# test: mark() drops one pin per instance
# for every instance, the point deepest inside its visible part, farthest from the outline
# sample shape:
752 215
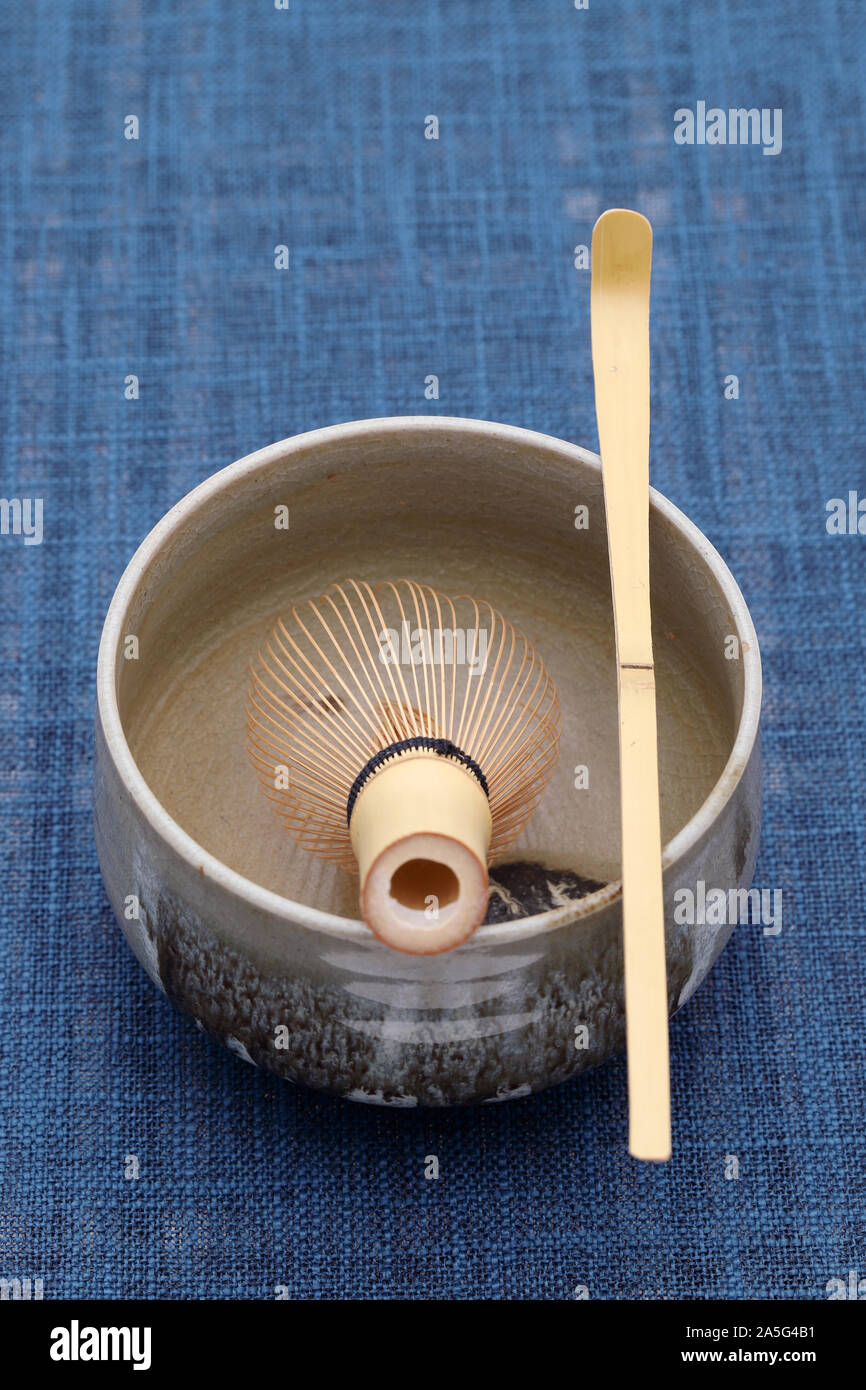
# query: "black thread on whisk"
443 746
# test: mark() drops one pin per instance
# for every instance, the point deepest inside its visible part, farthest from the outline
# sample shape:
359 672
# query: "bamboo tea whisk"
410 735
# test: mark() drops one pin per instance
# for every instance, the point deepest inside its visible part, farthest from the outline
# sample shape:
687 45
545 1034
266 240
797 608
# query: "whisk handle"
421 831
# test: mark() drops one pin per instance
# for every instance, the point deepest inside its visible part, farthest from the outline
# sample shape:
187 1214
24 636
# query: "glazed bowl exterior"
280 969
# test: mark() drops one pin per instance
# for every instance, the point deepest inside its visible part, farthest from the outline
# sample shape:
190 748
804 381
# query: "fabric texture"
155 258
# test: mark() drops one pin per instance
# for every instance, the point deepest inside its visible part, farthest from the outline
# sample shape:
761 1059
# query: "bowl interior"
464 507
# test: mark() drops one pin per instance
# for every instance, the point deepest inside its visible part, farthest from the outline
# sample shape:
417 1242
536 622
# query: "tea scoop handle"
621 266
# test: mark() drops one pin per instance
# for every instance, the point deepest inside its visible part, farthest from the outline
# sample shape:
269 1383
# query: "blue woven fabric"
155 257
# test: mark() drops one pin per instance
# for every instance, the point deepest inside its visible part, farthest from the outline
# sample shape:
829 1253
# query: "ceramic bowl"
260 943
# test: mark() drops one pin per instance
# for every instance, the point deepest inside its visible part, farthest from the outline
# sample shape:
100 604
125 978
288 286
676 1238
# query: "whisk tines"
363 676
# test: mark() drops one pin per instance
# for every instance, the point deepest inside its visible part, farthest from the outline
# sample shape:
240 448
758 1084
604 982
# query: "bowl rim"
298 914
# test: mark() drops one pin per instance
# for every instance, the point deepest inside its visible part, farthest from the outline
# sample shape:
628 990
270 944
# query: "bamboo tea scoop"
621 263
